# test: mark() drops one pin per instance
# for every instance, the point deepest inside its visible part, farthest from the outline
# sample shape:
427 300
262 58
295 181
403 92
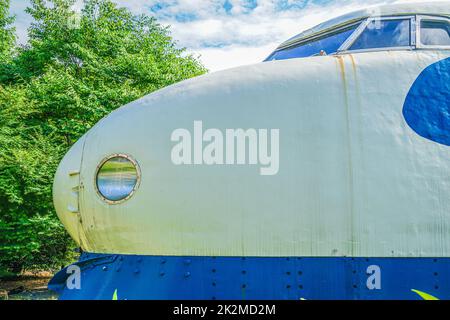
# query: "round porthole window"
117 178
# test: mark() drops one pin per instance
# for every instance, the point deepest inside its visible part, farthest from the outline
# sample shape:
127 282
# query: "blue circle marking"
427 106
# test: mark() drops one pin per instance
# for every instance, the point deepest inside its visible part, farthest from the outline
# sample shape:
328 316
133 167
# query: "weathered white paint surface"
354 179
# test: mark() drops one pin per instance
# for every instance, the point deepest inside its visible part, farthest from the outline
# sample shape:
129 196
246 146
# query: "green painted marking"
423 295
115 295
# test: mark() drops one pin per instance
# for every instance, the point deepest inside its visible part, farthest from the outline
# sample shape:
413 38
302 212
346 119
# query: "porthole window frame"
136 185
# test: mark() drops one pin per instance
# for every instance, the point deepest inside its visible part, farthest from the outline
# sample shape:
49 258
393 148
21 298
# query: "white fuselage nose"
346 161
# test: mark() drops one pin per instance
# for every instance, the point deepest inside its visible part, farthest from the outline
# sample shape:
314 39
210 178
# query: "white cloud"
224 58
241 36
245 31
22 19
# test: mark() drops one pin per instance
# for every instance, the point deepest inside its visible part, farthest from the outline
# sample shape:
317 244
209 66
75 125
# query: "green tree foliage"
75 69
7 36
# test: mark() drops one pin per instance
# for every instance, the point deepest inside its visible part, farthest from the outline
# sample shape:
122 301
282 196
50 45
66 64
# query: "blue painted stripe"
253 278
427 105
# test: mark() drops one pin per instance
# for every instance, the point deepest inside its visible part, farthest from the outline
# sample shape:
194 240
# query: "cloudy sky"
228 33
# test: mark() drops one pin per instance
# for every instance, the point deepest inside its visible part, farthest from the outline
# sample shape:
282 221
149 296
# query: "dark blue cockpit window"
329 44
384 34
435 33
